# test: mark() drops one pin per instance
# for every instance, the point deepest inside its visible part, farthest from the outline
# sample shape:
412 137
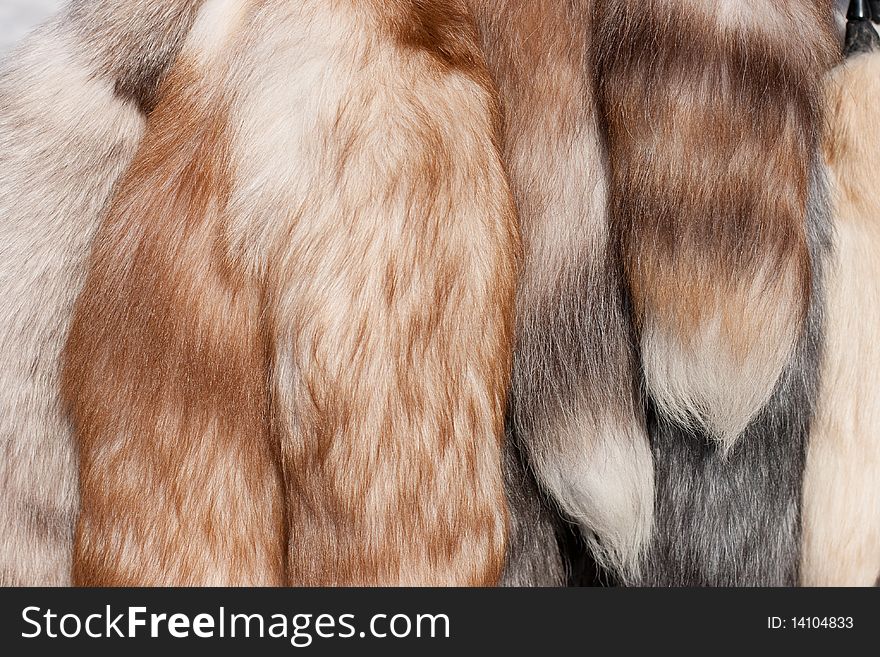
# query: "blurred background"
18 17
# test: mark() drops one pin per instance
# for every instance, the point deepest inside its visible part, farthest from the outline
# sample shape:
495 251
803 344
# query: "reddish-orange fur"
166 375
302 305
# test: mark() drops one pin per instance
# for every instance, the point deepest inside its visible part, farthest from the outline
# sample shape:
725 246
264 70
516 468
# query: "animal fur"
535 546
574 407
842 486
291 358
72 103
733 518
713 115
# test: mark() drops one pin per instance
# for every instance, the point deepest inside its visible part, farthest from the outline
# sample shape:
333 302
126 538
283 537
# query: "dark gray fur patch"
577 345
534 551
736 521
861 37
544 549
135 43
575 355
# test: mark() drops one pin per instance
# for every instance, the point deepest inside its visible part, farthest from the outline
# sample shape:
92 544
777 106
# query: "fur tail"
575 409
713 117
733 517
390 292
165 369
291 359
842 487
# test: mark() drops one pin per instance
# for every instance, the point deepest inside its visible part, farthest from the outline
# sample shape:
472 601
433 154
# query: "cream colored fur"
64 139
842 485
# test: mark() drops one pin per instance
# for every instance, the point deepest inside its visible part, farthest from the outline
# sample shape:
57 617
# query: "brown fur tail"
166 375
713 117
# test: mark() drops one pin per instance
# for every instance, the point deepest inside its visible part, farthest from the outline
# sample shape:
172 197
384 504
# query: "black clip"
860 10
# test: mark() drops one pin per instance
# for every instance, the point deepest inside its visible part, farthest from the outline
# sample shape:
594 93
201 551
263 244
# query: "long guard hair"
536 553
713 115
73 97
291 358
719 206
842 480
734 518
574 409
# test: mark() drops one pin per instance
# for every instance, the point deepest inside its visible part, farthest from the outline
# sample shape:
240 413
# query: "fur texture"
72 98
842 487
573 407
733 518
713 116
535 542
291 358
